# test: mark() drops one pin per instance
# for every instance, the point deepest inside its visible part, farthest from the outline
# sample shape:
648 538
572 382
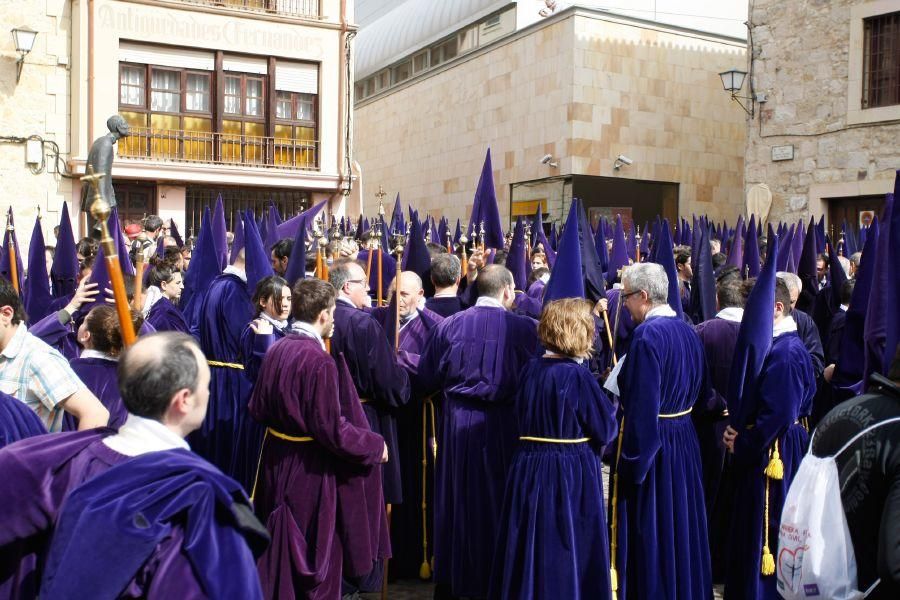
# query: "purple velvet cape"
553 506
661 512
17 421
100 377
474 358
783 394
228 438
42 469
254 347
161 525
165 316
296 495
444 305
382 384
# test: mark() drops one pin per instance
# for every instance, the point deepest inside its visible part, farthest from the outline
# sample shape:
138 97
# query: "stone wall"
581 86
37 105
808 61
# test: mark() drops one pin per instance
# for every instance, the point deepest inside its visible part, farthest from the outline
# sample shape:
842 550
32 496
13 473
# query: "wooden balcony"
172 145
306 9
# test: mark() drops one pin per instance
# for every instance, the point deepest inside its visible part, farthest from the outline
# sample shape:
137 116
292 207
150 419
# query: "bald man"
68 482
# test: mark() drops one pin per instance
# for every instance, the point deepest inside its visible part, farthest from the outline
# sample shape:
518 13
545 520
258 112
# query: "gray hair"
341 272
445 270
649 277
855 258
791 280
845 265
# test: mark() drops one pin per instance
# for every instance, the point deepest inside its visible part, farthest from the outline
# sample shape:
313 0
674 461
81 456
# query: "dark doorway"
856 210
636 200
135 200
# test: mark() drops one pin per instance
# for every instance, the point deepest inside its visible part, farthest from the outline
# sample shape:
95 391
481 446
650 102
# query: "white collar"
346 300
489 302
90 353
140 436
275 322
735 314
552 354
787 325
233 270
845 307
545 278
304 328
663 310
409 319
447 294
153 295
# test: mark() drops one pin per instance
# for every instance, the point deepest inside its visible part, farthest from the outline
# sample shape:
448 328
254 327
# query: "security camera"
546 158
624 159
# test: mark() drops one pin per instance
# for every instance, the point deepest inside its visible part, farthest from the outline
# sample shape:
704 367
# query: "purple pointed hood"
173 231
750 266
664 254
238 242
517 261
219 233
619 256
415 256
64 272
37 286
703 283
271 237
600 245
875 332
567 278
256 259
485 209
288 229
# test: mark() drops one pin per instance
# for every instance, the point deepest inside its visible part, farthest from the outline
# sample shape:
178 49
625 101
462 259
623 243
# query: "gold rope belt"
530 438
289 438
227 365
676 415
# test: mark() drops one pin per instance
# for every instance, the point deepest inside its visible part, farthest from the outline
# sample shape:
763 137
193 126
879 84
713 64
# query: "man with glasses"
382 384
659 516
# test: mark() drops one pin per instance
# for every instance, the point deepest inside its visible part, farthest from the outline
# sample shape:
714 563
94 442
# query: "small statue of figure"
100 159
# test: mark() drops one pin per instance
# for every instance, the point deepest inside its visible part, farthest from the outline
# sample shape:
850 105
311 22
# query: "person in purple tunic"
719 336
229 438
382 384
17 421
474 359
553 506
164 385
272 300
660 547
100 337
772 434
307 447
164 314
58 328
445 275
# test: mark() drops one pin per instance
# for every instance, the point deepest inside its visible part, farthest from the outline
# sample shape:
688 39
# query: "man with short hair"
167 285
661 521
446 271
146 239
382 384
806 327
822 264
164 383
39 376
685 275
474 359
854 263
281 254
307 448
772 410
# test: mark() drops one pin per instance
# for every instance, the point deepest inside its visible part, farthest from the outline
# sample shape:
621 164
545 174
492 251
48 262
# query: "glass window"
165 95
420 62
254 98
306 107
132 85
197 93
233 94
881 60
283 106
400 73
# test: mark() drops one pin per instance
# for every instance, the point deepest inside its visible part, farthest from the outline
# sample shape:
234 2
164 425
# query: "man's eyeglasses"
626 296
359 281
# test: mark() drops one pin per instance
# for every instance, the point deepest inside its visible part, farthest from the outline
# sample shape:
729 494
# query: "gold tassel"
425 571
775 468
614 525
768 562
614 582
425 568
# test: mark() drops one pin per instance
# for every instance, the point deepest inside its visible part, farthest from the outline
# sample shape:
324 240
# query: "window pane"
283 106
305 107
136 143
233 105
232 85
197 139
307 134
166 80
131 85
197 98
253 105
165 101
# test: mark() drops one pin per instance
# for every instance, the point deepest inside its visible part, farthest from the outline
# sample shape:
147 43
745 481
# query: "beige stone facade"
809 61
583 86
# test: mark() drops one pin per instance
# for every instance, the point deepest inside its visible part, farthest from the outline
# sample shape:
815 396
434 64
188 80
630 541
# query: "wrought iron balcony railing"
175 145
308 9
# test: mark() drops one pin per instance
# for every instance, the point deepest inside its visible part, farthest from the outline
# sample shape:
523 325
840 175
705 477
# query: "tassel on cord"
425 567
775 468
768 561
614 527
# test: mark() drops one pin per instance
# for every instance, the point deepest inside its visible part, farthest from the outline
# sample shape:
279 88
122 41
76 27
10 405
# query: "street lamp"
733 81
24 40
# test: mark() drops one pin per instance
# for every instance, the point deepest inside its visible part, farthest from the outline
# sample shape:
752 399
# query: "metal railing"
293 8
175 145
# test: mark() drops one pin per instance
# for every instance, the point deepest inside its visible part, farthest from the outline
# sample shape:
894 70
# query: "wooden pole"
13 261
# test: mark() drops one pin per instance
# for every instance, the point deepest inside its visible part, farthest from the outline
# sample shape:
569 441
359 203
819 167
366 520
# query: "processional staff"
13 260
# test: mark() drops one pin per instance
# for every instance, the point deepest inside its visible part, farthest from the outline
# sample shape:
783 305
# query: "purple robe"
165 316
254 347
99 375
228 438
61 337
382 384
444 305
42 469
553 506
474 358
783 394
17 421
296 494
662 550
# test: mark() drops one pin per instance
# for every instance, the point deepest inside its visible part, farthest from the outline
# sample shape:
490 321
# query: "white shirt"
735 314
489 302
663 310
233 270
275 322
346 300
153 294
303 328
787 325
140 436
98 354
448 294
845 307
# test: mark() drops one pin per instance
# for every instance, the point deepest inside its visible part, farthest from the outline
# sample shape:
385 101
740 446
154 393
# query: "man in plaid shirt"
38 375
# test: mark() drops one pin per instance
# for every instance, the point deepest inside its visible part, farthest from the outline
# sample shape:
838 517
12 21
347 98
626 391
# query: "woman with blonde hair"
553 505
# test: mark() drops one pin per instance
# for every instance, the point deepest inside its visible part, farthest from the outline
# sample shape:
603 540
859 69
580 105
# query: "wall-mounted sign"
783 152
